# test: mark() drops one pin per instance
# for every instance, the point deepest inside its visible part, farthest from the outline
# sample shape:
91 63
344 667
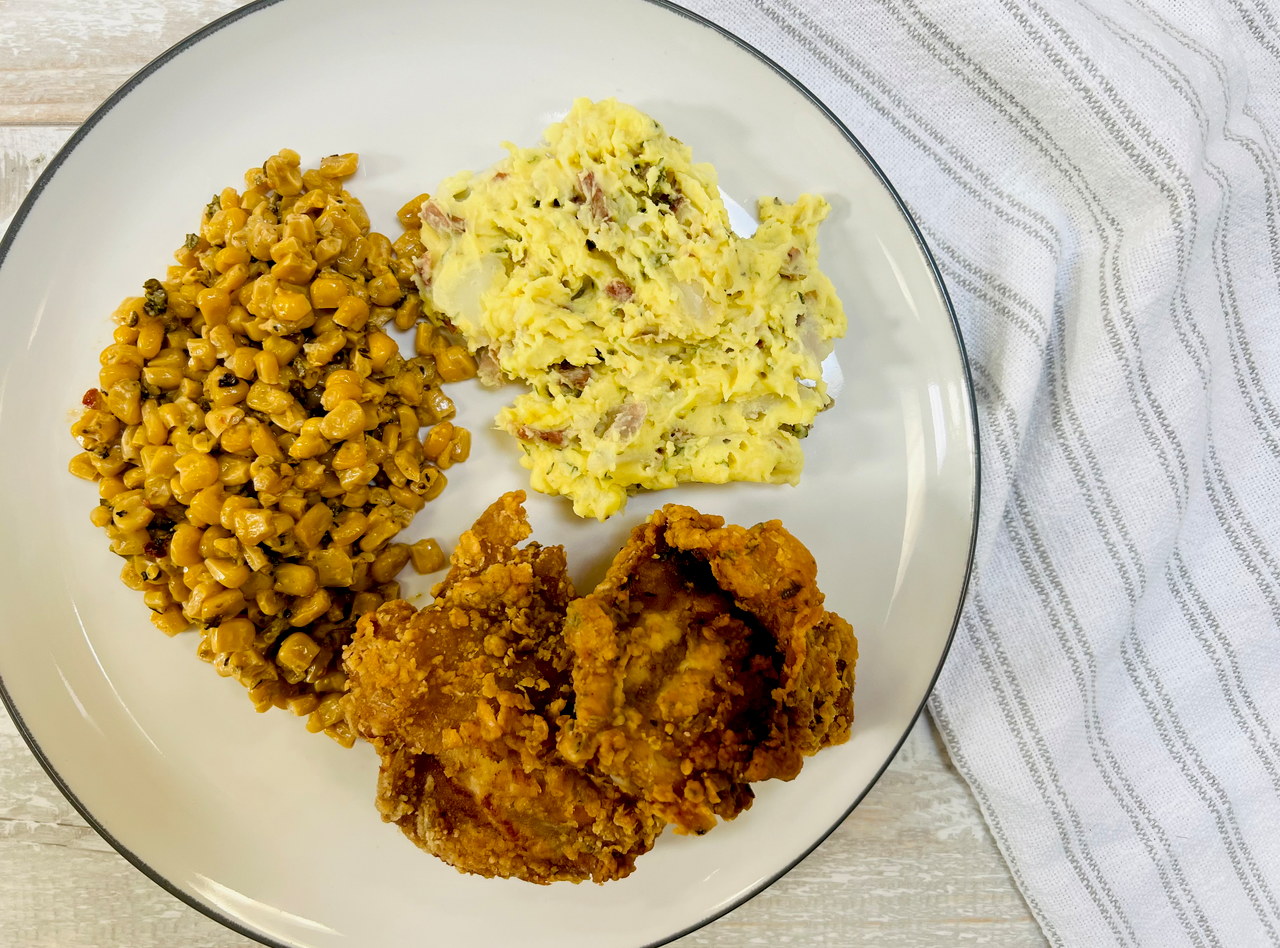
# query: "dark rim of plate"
232 17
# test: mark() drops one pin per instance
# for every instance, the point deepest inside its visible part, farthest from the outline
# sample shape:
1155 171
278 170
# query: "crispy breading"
488 647
705 661
485 813
527 733
461 699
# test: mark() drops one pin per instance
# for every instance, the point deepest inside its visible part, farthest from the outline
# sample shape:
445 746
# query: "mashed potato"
599 269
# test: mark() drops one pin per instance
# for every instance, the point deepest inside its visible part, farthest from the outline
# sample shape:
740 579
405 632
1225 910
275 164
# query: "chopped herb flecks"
155 300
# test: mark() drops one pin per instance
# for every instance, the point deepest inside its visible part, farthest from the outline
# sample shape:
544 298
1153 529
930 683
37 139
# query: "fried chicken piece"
489 642
704 661
461 700
484 813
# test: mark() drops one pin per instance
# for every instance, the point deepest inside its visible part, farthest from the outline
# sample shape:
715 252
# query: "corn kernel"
379 532
427 556
436 484
325 347
252 525
165 377
220 419
460 447
212 543
282 172
231 281
356 477
381 349
171 621
228 257
150 338
293 501
310 442
455 363
232 635
409 213
267 367
439 405
351 454
264 442
388 564
437 441
115 372
234 470
283 349
120 352
408 312
350 527
304 704
157 432
133 477
184 545
327 292
296 655
241 362
157 600
159 460
228 572
268 399
301 228
214 303
124 400
295 579
423 336
294 268
129 576
82 466
352 313
326 715
339 166
344 421
222 387
309 474
333 568
232 505
311 608
384 290
197 471
312 526
227 602
290 307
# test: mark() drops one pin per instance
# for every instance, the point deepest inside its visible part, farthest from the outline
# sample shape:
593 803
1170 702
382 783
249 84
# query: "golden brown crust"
485 813
705 661
527 733
461 699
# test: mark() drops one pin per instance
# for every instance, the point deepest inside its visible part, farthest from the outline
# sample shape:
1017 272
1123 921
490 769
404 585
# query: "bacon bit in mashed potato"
600 269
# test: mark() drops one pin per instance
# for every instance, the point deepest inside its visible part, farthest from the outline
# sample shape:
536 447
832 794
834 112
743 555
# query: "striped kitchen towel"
1100 183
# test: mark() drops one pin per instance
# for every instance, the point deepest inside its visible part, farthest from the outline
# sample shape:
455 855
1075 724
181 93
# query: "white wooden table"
914 866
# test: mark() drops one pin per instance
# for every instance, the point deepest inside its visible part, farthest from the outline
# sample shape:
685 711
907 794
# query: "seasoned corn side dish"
599 268
257 437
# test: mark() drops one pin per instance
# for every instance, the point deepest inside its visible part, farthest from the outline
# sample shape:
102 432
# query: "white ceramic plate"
249 818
